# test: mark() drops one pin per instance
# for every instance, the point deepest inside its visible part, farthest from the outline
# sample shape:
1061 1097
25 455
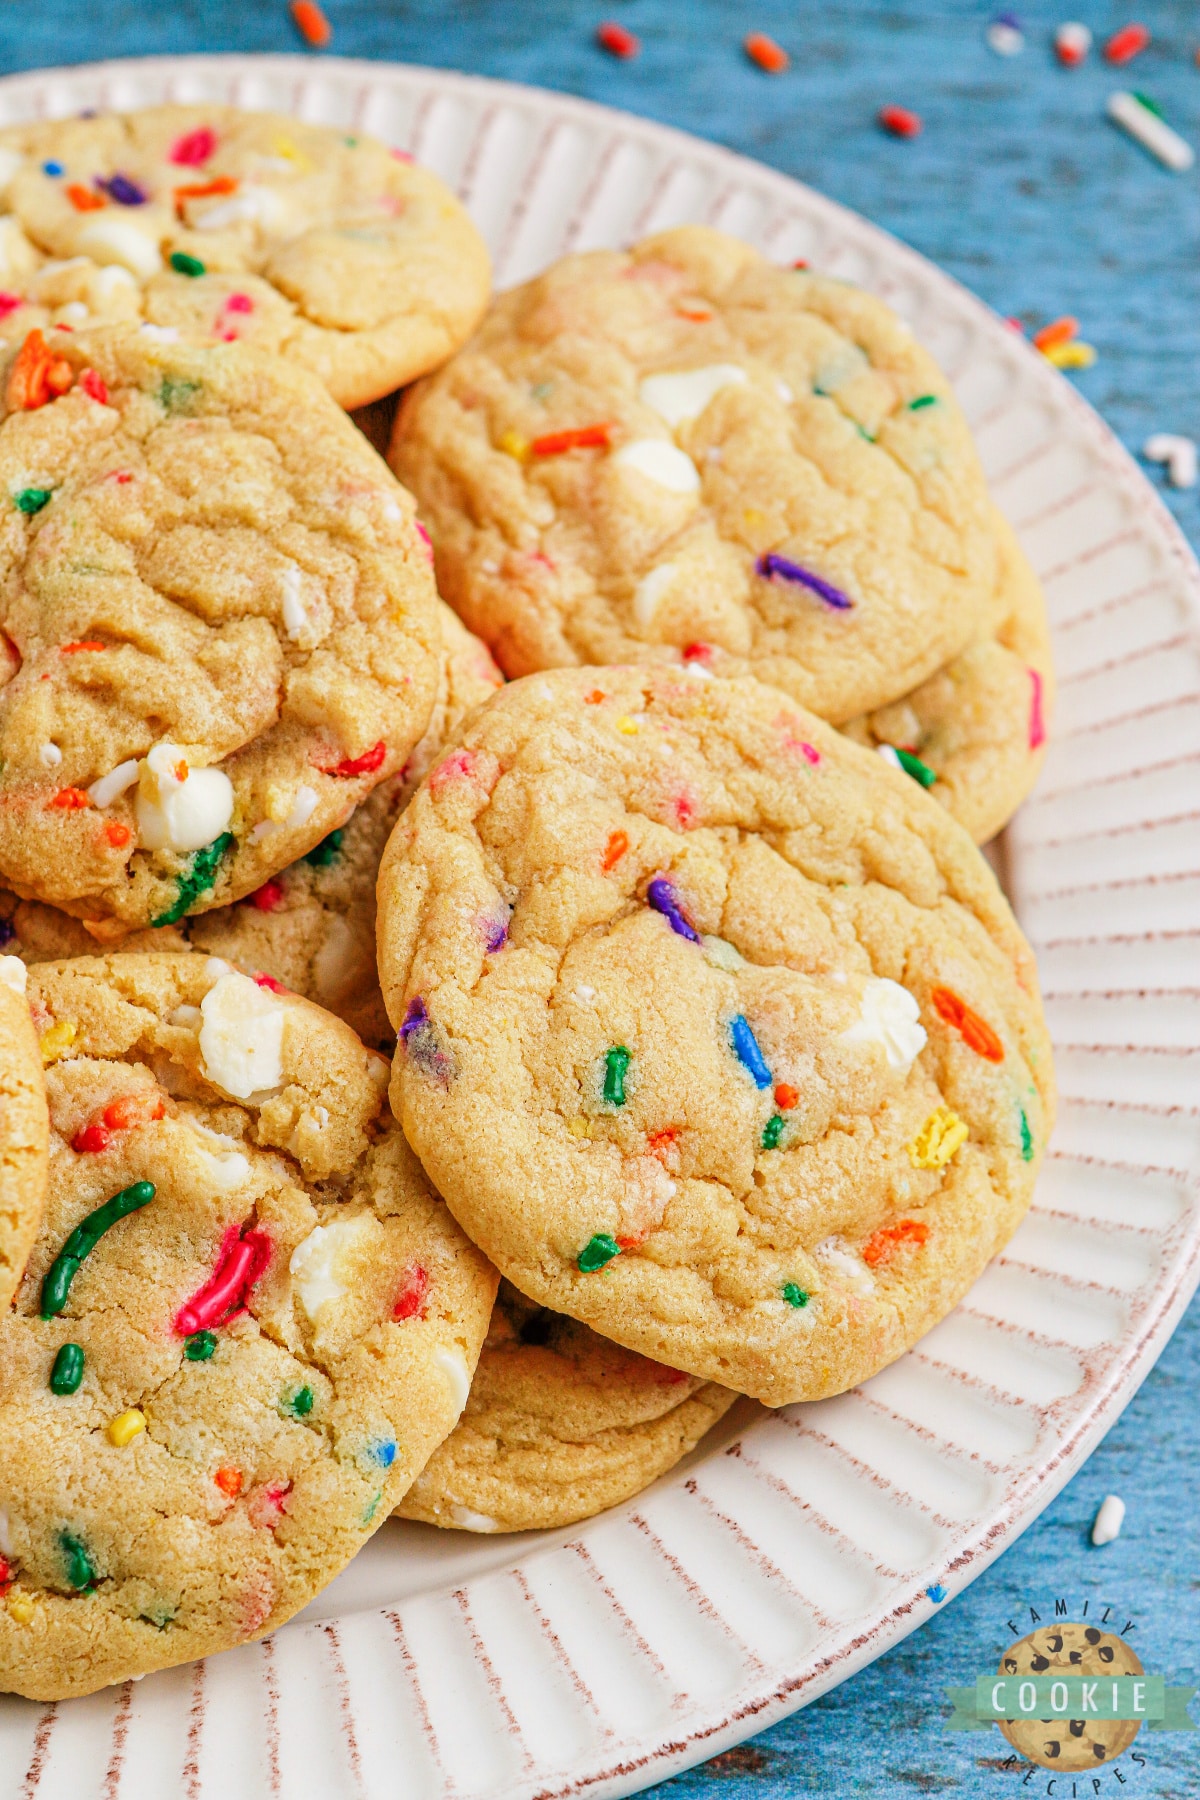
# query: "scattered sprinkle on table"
1004 35
617 41
1125 44
1109 1520
763 50
1152 132
1072 43
1179 454
899 122
311 23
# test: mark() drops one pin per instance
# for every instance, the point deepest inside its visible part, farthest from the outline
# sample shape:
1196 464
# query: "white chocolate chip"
50 756
162 334
650 590
175 813
110 787
241 1040
683 396
314 1261
112 280
467 1520
252 205
889 1016
227 1165
13 973
453 1365
189 1018
295 618
113 240
661 463
304 805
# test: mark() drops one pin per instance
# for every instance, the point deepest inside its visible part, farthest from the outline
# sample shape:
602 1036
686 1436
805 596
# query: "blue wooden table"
1021 189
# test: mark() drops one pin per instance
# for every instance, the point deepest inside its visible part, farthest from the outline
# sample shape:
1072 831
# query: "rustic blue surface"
1019 188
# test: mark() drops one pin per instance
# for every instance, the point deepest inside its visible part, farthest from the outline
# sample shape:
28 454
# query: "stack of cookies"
454 1046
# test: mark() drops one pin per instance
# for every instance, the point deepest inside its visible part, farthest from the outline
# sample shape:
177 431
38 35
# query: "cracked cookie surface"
713 1034
682 452
323 246
220 624
215 1387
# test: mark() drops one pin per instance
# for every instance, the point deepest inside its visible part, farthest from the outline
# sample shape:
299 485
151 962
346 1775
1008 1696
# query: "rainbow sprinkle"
772 1132
772 565
794 1295
83 1240
200 1346
616 1066
80 1571
598 1250
663 898
199 879
67 1372
745 1048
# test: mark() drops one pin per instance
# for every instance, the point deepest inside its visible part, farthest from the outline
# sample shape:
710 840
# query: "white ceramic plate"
597 1661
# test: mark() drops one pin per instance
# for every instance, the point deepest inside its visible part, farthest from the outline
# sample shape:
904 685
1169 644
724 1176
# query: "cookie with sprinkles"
23 1129
326 247
560 1425
975 733
683 453
713 1034
312 926
214 1387
219 623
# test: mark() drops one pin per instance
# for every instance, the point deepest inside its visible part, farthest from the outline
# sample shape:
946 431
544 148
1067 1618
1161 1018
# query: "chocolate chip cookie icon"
1070 1744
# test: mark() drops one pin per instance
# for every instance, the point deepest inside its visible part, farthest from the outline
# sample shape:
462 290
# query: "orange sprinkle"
71 649
36 376
229 1481
595 697
615 849
1059 331
204 190
133 1109
83 199
311 23
659 1141
766 53
976 1033
697 314
585 437
786 1096
117 834
181 770
71 799
881 1245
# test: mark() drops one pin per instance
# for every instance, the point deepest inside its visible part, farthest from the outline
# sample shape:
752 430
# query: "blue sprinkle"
663 898
384 1453
53 168
745 1048
937 1593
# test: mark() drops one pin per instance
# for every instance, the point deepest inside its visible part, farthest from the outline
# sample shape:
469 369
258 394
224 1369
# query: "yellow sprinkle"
122 1431
284 147
513 444
629 726
580 1127
20 1608
1075 355
58 1040
939 1137
752 516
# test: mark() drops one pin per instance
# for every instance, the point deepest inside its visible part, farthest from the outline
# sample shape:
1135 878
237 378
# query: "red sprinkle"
366 764
194 147
976 1033
124 1114
269 982
265 1504
311 23
268 897
6 1574
83 644
410 1301
616 40
764 51
70 799
883 1244
786 1096
585 437
900 122
614 850
94 387
9 303
1125 44
1037 720
240 1263
659 1142
697 652
239 303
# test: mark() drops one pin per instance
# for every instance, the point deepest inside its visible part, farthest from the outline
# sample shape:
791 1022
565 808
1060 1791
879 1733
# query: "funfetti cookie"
23 1129
560 1424
312 926
713 1033
975 733
325 246
245 1325
683 453
219 619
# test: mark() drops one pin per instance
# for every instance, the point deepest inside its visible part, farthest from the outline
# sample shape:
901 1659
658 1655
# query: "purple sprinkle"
662 897
1010 19
124 191
772 564
8 931
497 935
415 1018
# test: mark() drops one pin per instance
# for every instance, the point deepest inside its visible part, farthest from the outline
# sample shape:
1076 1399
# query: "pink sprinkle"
93 386
402 155
268 981
410 1301
1037 722
424 537
9 304
265 1505
539 556
194 147
239 303
459 762
685 809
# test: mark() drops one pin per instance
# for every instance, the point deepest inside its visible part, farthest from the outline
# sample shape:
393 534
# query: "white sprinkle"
698 668
175 814
584 995
161 334
785 393
1004 39
113 240
661 463
1109 1520
467 1520
683 396
241 1040
295 618
453 1365
1153 133
650 590
51 756
253 205
889 1016
1072 41
110 787
13 974
1179 454
889 755
314 1260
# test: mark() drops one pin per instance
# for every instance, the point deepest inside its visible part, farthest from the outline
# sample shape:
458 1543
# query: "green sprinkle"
176 396
596 1252
922 400
80 1572
200 1346
31 500
912 765
183 264
1026 1139
795 1296
351 143
863 432
369 1515
325 851
772 1132
83 1240
199 879
299 1404
1150 105
67 1372
616 1065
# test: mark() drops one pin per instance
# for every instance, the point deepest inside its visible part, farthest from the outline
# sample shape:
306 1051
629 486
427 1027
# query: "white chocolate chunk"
252 205
889 1017
314 1261
295 618
650 590
110 787
175 813
50 756
467 1520
453 1365
241 1039
13 973
683 396
303 806
113 240
661 463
